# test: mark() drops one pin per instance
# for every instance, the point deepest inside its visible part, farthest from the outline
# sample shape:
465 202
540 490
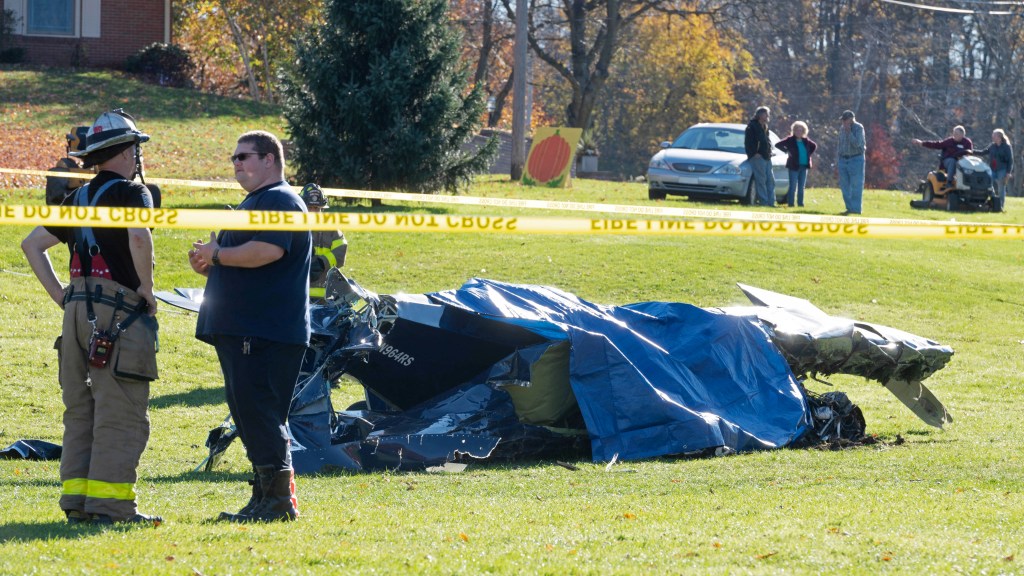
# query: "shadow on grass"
361 208
194 398
53 530
214 477
51 482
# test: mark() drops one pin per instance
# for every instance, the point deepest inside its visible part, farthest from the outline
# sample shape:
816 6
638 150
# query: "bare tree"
580 38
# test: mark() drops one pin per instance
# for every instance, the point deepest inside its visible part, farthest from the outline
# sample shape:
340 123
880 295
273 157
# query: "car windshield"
711 138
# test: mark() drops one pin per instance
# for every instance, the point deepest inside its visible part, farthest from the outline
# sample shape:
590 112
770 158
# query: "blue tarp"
656 378
503 371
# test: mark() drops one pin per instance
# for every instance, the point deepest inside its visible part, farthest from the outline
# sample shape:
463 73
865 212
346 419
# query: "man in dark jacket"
953 148
759 153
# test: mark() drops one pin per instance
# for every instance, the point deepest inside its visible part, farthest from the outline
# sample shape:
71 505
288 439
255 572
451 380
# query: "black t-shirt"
112 242
270 301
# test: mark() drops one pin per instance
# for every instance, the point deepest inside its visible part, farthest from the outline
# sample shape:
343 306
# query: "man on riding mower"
953 149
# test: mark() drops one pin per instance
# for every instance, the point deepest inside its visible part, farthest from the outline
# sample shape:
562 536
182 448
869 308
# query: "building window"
51 17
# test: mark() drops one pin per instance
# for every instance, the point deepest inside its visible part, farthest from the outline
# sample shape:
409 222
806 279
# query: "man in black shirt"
255 313
758 147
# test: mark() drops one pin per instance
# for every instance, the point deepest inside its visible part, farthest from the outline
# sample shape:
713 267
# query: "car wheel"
750 197
653 194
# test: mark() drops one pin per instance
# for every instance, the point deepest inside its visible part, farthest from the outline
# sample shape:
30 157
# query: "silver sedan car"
708 161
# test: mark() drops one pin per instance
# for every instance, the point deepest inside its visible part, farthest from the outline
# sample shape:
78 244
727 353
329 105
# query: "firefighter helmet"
109 130
312 195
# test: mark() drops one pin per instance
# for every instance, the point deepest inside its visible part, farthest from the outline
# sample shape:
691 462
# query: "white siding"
90 18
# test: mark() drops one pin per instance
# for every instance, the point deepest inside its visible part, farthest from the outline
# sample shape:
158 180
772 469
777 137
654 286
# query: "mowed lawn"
922 501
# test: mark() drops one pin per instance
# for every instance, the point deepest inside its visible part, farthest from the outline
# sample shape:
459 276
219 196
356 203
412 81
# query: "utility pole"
519 93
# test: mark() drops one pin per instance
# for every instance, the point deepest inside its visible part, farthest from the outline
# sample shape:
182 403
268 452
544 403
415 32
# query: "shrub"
882 159
163 64
12 55
9 54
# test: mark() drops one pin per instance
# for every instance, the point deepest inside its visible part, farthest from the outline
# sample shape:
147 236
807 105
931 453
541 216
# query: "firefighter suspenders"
85 239
101 344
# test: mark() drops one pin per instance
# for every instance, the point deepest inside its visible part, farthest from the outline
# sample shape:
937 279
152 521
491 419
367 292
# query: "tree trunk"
236 33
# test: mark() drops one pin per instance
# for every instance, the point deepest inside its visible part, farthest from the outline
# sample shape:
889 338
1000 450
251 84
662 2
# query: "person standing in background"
329 246
1000 159
758 147
799 149
850 162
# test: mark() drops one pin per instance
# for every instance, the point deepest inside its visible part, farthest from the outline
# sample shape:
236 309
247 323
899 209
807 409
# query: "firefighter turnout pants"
106 420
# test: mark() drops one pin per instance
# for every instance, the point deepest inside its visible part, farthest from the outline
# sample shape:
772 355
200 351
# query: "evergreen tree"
378 99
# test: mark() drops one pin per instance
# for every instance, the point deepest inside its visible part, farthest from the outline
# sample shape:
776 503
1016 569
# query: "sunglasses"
243 156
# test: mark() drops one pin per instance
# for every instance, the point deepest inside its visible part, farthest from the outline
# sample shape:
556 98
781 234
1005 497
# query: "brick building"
98 33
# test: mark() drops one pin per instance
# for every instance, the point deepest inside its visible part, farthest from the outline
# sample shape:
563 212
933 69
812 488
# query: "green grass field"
940 502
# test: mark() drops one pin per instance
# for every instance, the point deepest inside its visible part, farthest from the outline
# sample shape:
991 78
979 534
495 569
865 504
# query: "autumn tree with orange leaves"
659 86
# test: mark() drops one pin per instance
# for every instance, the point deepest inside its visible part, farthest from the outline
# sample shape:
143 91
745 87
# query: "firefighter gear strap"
117 302
85 239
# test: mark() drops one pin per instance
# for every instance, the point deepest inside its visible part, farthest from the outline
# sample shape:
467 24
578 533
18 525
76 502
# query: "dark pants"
259 378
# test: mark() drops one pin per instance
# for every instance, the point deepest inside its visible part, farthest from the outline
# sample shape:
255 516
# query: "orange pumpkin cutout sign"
551 156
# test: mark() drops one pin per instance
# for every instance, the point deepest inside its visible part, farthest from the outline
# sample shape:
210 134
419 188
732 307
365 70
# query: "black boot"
257 495
77 517
277 502
138 518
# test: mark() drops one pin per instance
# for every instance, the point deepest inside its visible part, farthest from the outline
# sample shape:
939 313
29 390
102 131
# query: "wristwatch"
216 257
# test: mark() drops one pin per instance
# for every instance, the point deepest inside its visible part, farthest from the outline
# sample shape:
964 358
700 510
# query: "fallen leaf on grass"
463 537
763 556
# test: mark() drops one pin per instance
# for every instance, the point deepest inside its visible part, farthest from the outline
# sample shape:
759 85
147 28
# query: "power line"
954 10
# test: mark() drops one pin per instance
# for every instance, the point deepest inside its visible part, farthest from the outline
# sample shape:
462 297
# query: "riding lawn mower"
970 188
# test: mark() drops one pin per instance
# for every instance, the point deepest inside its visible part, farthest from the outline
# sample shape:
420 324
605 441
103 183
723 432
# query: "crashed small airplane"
503 371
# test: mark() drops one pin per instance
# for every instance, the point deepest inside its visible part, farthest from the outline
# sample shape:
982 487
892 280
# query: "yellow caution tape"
119 217
628 209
